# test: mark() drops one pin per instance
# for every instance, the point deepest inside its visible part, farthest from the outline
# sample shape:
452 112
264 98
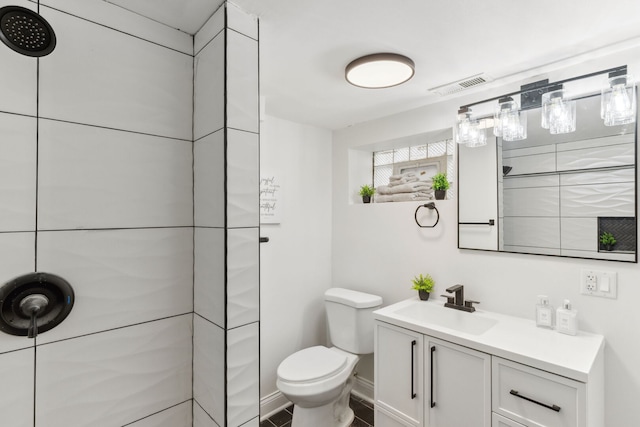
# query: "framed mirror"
567 194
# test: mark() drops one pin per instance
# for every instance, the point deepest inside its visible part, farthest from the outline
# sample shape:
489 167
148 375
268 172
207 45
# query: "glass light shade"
618 101
380 70
558 113
509 123
463 127
479 136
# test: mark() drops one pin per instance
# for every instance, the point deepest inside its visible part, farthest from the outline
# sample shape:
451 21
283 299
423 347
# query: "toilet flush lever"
31 306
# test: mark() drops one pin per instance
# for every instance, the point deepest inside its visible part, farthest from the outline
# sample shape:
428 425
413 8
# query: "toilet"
318 380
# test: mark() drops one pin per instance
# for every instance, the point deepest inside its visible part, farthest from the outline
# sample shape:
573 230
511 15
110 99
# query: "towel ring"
431 206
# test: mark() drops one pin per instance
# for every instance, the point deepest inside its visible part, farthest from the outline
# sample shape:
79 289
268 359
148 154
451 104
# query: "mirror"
552 194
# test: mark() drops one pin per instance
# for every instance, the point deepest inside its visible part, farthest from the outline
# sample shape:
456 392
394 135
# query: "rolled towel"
402 197
408 187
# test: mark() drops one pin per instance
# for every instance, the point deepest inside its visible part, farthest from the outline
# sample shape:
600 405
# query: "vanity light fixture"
468 130
558 112
509 122
379 70
618 102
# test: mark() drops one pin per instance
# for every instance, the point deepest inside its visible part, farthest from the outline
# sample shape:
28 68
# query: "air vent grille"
461 85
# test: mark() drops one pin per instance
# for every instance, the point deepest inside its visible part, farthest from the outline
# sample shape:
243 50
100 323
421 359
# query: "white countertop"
510 337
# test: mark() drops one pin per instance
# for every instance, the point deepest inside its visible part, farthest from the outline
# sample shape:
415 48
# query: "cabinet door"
458 385
398 382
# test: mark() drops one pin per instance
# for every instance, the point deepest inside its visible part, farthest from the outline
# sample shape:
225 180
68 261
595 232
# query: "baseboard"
272 404
363 388
276 401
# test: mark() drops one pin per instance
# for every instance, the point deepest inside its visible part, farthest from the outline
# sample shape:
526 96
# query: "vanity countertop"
505 336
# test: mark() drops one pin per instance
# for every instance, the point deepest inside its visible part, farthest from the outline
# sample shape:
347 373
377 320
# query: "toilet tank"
350 319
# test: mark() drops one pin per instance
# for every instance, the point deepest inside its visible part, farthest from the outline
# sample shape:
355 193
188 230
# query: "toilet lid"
311 364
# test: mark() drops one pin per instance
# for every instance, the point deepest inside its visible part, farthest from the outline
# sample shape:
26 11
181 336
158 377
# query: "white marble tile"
209 177
92 177
209 90
17 172
120 277
18 84
241 21
243 373
243 181
16 405
201 418
17 251
209 274
115 377
243 100
176 416
116 17
108 78
209 30
208 368
243 295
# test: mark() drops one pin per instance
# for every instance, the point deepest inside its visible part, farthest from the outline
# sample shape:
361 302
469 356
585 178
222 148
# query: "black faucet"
457 301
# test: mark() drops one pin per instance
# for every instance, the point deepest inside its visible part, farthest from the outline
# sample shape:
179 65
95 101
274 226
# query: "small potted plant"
607 240
424 286
366 192
440 185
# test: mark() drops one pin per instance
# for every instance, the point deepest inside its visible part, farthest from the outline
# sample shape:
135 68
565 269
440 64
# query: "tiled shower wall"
226 270
97 186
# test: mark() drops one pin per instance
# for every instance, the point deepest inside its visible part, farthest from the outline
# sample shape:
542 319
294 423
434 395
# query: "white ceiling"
305 45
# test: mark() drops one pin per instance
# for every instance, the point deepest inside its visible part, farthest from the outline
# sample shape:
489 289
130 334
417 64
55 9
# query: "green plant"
367 190
607 239
440 182
423 283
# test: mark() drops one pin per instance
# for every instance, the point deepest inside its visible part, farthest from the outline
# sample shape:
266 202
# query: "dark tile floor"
361 408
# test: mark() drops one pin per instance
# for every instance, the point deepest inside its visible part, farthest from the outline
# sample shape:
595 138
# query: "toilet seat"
311 365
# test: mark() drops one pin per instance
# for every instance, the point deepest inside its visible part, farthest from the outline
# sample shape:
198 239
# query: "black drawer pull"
552 407
413 347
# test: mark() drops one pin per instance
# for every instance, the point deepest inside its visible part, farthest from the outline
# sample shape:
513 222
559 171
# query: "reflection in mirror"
552 194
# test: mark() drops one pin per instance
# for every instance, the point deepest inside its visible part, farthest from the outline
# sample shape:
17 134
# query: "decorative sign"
270 199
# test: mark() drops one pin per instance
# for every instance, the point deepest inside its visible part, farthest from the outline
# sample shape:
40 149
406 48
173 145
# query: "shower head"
26 32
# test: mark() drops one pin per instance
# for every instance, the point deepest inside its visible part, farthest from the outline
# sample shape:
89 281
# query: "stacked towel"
404 188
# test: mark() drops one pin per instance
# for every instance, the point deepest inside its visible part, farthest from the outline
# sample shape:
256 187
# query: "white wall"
96 187
378 248
295 266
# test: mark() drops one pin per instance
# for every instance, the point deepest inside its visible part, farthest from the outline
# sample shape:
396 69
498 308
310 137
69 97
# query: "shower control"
34 303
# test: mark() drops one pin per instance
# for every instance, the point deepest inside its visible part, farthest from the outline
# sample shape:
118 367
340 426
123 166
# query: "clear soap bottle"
544 313
567 319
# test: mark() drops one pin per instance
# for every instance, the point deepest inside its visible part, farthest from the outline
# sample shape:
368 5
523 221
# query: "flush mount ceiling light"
379 70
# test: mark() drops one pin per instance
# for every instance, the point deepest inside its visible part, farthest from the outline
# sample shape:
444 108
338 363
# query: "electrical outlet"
599 283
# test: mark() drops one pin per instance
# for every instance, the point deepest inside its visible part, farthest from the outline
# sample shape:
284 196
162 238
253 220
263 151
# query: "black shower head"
26 32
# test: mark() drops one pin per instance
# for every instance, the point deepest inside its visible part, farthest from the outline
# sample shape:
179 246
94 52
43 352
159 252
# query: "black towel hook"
430 206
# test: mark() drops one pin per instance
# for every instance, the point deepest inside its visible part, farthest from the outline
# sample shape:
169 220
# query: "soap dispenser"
544 312
567 319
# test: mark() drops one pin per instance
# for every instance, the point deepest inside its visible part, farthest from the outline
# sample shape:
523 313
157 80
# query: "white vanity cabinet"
424 381
437 367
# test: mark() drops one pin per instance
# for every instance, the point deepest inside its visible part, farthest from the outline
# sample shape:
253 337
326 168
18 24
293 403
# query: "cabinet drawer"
500 421
536 398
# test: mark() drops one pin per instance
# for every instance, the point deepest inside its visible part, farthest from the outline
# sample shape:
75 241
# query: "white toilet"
318 380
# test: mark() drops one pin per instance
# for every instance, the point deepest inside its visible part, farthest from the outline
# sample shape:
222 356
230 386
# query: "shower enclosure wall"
129 167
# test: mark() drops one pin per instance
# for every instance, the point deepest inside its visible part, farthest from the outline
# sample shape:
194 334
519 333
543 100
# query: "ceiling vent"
460 85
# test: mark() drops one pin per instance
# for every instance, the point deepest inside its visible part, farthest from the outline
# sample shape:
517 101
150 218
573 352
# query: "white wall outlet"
599 283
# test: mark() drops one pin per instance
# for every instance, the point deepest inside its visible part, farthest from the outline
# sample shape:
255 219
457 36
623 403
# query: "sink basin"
461 321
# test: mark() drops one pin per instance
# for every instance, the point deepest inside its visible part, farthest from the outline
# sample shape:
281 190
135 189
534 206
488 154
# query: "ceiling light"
619 100
558 112
379 70
509 122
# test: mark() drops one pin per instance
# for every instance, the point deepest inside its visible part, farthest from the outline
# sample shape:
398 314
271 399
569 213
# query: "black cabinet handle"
264 239
413 347
552 407
433 350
